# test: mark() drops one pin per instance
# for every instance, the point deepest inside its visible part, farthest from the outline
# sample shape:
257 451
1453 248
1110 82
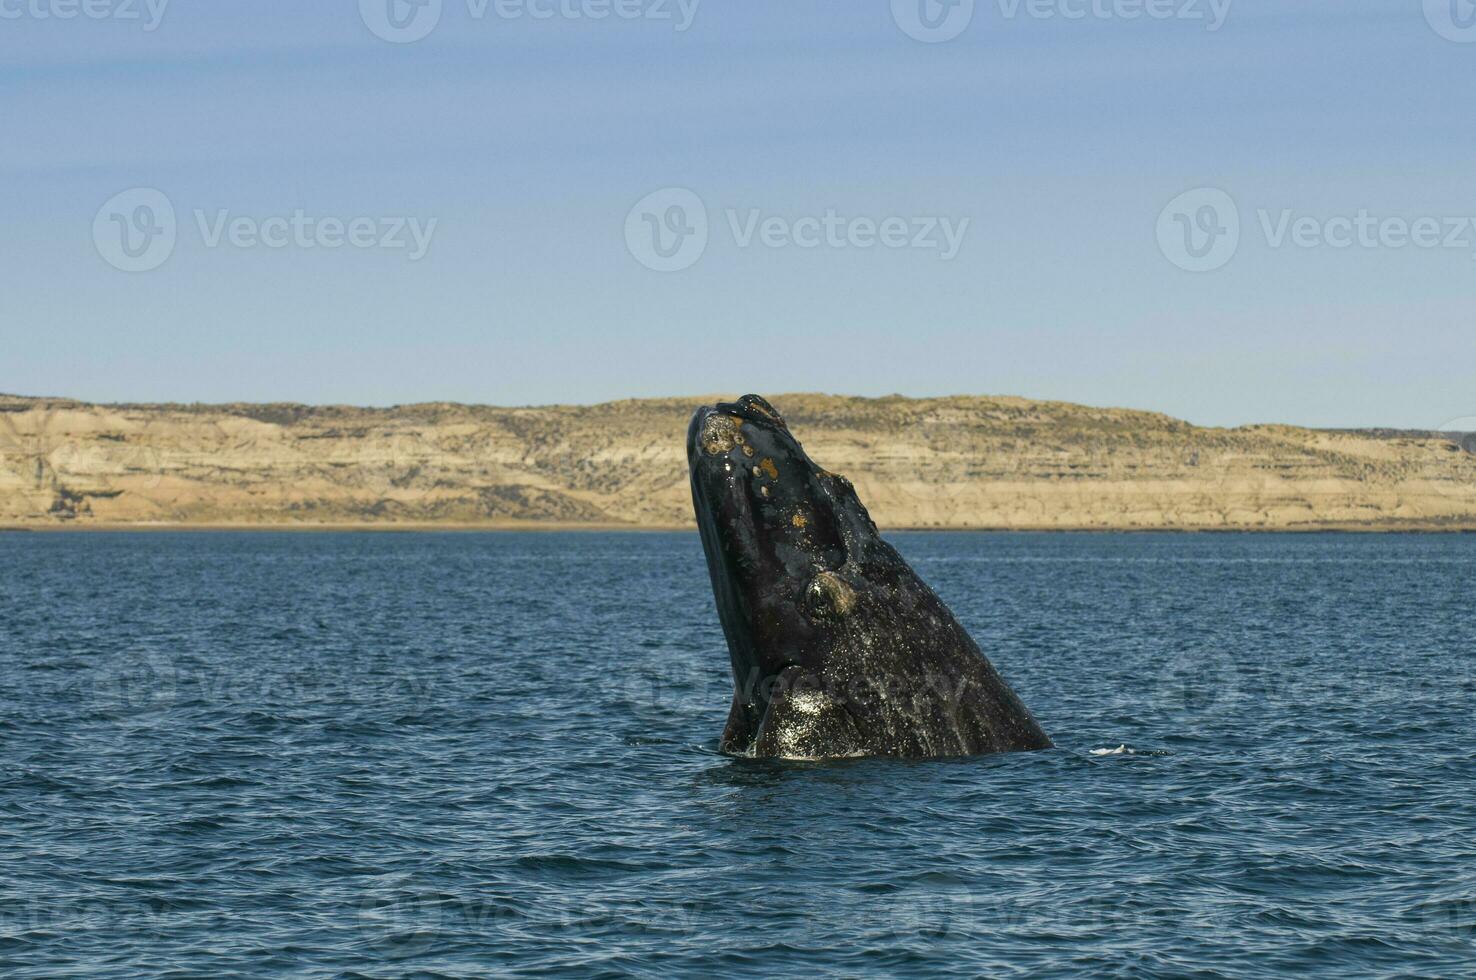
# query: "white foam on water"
1120 750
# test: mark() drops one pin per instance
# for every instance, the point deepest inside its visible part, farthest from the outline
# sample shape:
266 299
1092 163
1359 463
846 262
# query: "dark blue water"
443 754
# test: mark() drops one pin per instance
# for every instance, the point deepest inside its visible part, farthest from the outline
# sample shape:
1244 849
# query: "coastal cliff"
957 462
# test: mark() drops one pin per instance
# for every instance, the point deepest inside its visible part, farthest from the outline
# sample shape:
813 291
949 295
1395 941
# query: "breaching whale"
837 647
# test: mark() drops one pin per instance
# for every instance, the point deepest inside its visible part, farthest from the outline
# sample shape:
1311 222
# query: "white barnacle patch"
720 434
829 595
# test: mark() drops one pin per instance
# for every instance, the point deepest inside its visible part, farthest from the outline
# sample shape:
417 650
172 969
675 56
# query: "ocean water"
494 754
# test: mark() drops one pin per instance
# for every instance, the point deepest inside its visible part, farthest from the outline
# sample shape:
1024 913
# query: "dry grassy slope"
945 462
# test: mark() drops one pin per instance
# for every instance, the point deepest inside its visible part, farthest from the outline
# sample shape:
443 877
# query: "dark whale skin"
838 648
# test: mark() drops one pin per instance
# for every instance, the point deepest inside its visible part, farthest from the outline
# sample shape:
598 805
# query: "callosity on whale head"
837 647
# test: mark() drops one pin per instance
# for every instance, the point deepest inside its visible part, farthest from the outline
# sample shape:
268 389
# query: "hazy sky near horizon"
1031 166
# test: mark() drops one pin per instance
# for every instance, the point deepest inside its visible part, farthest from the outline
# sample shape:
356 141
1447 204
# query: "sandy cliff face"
946 462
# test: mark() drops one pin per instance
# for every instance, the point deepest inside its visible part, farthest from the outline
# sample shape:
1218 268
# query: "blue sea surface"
325 754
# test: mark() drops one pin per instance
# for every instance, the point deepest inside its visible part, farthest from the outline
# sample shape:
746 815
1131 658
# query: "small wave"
572 865
1127 750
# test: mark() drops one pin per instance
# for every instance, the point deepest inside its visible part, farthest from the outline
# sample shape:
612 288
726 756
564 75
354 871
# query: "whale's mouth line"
724 509
731 614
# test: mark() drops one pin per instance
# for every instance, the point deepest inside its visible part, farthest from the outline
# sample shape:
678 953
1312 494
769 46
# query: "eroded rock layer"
961 462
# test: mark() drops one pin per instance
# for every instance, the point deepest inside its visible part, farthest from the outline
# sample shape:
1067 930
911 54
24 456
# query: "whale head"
838 648
778 532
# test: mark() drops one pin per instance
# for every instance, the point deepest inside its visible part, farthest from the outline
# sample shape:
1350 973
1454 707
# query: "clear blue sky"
529 141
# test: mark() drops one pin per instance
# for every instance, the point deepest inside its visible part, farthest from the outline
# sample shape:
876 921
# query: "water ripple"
443 755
